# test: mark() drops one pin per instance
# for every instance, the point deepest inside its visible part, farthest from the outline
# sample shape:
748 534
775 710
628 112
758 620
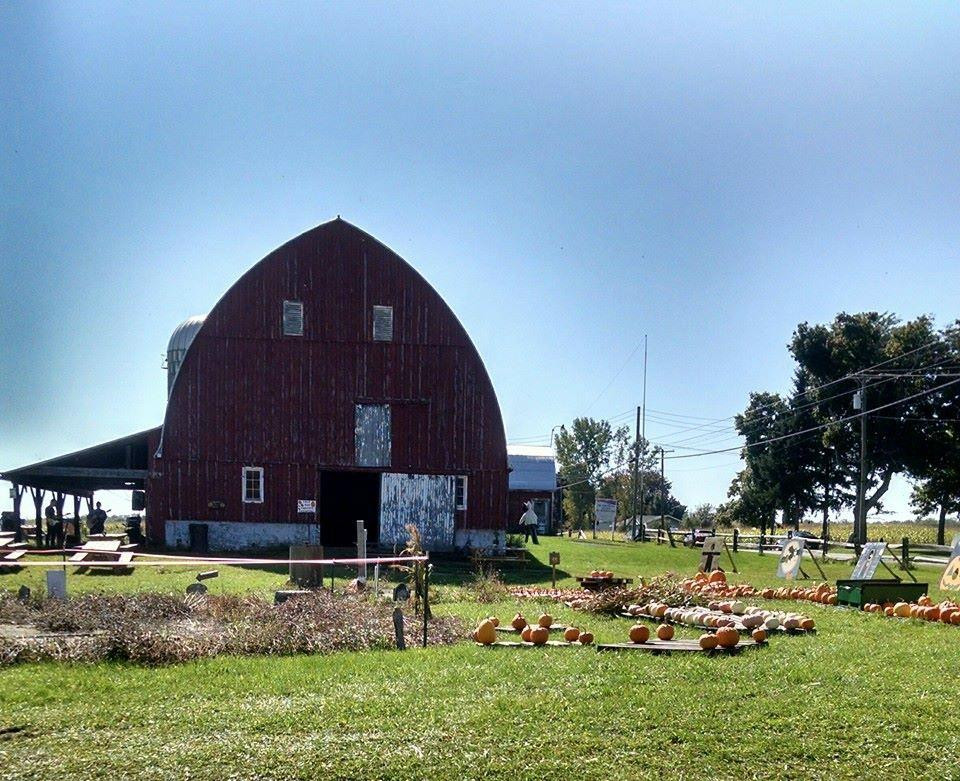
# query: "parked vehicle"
812 541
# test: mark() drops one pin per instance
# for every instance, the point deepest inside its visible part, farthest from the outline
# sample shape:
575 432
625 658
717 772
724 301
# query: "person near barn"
528 522
54 525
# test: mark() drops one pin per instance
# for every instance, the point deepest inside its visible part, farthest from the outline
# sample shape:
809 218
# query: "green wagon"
857 593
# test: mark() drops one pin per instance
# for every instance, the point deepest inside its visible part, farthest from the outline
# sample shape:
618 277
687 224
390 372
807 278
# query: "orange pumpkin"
639 633
525 633
586 638
888 611
571 634
519 622
728 637
945 615
539 635
486 633
708 642
545 620
718 576
806 624
494 620
759 636
955 617
665 632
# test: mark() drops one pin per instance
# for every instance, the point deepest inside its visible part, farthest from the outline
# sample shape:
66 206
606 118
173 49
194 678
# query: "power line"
823 426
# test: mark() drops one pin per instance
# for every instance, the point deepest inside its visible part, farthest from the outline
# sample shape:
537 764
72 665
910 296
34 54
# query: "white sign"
790 558
712 548
306 505
606 511
869 561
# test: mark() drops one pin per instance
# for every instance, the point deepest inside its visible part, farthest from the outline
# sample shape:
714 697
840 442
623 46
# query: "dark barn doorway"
345 498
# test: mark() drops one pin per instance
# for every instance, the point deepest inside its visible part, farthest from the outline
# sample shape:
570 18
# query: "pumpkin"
525 633
708 642
539 635
586 638
519 622
901 609
955 617
727 637
494 620
945 615
571 634
806 624
639 633
759 636
660 612
665 632
486 633
545 620
717 576
888 611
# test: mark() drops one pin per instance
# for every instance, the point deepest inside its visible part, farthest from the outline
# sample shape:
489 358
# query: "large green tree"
586 452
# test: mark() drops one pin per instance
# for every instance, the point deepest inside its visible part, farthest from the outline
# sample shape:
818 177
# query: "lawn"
864 696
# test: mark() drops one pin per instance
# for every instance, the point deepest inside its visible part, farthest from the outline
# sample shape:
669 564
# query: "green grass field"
863 697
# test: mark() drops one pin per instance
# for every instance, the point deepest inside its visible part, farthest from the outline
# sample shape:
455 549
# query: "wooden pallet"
515 644
656 646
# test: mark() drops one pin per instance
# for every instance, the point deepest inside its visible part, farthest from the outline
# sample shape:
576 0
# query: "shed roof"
532 468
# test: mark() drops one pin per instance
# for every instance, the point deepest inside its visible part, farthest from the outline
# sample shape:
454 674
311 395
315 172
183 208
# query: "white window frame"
243 486
460 481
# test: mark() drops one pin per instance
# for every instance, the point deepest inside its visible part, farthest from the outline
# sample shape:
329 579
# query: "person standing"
97 520
529 522
54 525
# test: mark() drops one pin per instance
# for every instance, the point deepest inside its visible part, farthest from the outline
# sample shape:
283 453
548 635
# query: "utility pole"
663 490
643 426
636 471
860 403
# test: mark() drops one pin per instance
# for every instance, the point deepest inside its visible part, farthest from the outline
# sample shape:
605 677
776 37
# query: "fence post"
736 539
760 543
826 543
905 552
643 532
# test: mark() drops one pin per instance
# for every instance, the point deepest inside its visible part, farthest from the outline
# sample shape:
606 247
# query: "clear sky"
568 176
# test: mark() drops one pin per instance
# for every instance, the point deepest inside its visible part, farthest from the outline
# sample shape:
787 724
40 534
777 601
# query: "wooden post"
38 494
643 532
905 552
398 628
760 542
736 540
426 600
826 544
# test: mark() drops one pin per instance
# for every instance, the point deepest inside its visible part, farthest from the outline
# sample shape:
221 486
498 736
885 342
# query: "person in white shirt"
528 522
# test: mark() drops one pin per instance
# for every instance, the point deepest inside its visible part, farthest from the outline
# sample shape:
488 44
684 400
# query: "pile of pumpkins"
923 609
715 584
601 574
719 615
824 594
538 634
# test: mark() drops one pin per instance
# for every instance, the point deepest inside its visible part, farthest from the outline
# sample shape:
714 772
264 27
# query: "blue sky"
568 176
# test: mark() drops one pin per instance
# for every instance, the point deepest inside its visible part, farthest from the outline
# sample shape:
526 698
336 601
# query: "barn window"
460 492
293 318
373 434
253 484
383 324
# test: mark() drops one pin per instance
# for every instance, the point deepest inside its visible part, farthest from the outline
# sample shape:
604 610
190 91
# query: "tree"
703 516
619 486
585 453
831 355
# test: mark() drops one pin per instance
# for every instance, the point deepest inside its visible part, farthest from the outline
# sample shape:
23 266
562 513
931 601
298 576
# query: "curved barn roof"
532 468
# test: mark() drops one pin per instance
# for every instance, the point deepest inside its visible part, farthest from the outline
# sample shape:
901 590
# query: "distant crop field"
918 532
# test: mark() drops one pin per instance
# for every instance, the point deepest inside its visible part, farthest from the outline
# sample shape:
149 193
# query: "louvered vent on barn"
293 318
383 324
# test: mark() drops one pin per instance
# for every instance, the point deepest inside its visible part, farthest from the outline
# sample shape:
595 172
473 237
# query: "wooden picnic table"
121 536
100 550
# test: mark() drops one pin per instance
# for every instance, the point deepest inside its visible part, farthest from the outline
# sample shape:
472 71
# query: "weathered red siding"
248 395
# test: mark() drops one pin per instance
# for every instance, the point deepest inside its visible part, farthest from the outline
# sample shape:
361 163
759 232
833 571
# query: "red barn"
330 384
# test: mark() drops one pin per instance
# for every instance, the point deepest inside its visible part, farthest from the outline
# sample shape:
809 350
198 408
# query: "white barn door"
427 501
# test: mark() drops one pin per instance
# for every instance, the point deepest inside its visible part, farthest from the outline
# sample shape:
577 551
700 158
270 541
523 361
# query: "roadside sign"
307 506
606 511
869 561
554 558
712 548
790 558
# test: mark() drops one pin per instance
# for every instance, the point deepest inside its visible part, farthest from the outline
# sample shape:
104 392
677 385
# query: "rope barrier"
160 560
